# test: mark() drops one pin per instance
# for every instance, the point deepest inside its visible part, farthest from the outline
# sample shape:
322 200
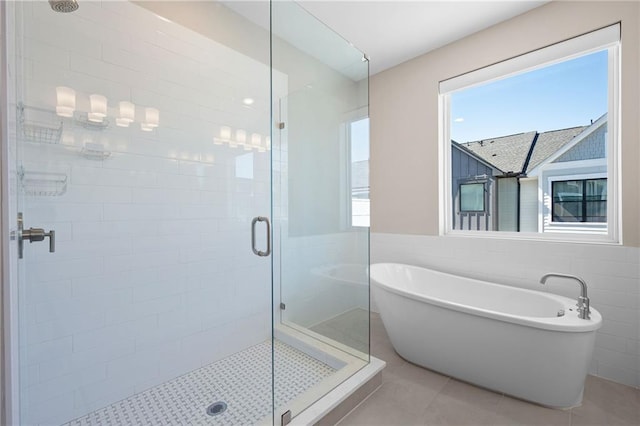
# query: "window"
359 171
244 166
472 197
542 129
579 200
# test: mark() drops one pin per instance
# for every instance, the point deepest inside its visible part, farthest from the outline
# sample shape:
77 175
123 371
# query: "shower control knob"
34 235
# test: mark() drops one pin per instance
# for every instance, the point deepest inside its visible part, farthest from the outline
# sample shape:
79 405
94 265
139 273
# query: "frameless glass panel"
320 149
143 142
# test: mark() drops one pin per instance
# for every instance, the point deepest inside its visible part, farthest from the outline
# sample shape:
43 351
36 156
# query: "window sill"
557 237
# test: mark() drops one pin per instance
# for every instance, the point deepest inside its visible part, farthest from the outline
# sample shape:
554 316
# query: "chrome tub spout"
583 301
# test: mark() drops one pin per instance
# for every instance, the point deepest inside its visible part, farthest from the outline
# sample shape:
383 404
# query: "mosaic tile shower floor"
242 380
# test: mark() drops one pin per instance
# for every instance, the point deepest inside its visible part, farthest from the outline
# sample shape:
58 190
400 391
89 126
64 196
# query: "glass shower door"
140 159
319 90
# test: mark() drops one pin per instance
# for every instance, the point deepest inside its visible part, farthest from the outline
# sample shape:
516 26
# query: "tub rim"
570 322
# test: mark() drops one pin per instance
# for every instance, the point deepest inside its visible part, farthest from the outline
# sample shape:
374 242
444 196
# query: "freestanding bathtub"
523 343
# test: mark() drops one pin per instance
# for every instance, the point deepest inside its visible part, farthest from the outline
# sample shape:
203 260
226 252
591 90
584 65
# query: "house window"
544 126
579 200
472 197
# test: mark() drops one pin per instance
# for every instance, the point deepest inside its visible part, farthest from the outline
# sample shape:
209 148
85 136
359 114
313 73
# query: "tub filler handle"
583 301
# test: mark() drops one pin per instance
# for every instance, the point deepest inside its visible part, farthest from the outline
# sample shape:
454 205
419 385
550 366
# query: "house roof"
470 153
523 151
508 153
585 132
549 143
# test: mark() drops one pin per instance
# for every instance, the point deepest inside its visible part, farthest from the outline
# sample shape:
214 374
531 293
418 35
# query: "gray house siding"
465 169
507 204
592 147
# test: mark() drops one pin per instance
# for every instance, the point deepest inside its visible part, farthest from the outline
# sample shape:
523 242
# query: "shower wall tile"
101 231
54 410
92 395
72 324
115 55
46 54
51 311
110 280
97 194
79 376
141 310
60 36
121 331
47 291
65 269
75 212
91 358
612 273
94 176
141 164
49 349
68 249
98 68
49 389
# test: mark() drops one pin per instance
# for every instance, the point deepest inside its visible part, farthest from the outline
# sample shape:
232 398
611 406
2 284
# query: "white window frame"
345 172
583 227
607 38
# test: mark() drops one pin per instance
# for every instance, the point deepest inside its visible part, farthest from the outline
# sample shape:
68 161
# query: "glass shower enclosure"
180 243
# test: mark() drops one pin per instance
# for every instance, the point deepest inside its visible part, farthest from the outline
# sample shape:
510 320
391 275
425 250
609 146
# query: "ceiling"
391 32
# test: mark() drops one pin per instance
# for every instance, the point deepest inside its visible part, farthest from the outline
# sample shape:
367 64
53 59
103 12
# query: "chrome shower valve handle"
34 235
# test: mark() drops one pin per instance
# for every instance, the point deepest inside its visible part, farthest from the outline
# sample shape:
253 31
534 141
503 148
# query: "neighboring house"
573 184
550 181
473 190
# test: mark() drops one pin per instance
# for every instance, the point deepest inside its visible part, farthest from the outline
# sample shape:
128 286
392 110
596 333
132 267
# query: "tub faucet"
583 301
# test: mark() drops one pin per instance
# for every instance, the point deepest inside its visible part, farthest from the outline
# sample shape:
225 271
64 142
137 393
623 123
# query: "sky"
568 94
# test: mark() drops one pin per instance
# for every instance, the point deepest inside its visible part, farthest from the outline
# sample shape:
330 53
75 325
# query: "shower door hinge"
281 125
283 306
286 418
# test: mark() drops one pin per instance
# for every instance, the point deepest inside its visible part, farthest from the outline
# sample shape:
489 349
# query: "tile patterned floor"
411 395
242 380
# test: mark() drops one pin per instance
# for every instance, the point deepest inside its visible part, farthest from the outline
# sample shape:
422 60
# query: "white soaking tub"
503 338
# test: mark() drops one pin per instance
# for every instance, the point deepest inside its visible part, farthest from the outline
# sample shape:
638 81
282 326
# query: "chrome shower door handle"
253 236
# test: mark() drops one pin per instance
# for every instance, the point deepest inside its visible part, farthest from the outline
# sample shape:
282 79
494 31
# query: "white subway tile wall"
153 274
612 274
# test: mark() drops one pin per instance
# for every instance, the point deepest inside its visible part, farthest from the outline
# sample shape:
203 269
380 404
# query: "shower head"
64 6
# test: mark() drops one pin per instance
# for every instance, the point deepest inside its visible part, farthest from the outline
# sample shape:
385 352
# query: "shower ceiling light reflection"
240 140
66 98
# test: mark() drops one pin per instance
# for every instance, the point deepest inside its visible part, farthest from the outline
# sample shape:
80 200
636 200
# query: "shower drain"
216 408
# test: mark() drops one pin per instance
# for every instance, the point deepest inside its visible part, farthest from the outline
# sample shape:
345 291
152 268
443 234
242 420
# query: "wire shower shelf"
43 184
39 125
